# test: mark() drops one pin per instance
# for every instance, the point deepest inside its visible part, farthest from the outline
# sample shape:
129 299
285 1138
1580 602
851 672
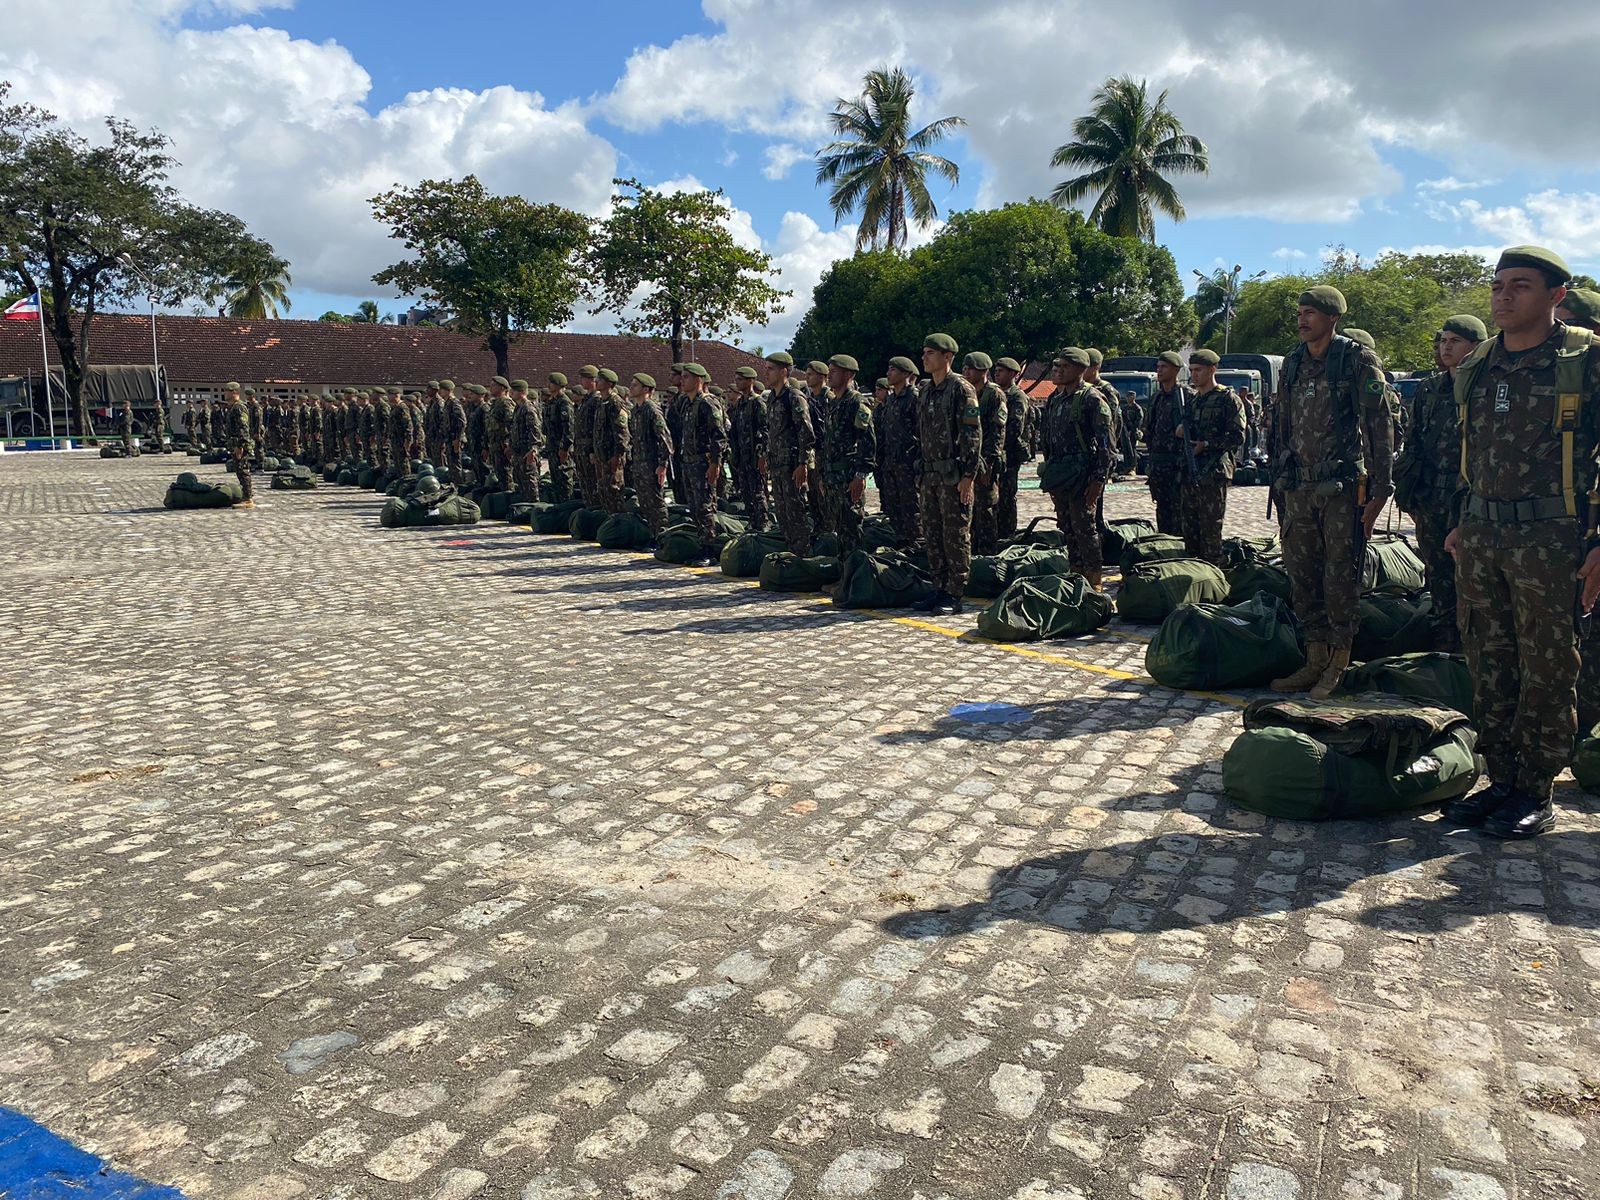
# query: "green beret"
1582 303
1073 355
589 372
477 389
557 378
979 360
433 383
696 370
677 368
249 391
844 362
746 372
882 383
500 381
901 363
716 391
230 387
780 358
447 385
817 365
364 394
644 380
608 375
1208 358
1537 257
395 389
1324 299
350 391
519 385
1170 357
1008 364
940 341
1095 357
1362 338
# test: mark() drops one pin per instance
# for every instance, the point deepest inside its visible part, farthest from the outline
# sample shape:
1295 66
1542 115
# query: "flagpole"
44 353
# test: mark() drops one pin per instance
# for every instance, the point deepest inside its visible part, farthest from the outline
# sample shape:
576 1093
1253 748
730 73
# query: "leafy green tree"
1129 147
335 318
877 164
96 225
856 309
667 265
501 265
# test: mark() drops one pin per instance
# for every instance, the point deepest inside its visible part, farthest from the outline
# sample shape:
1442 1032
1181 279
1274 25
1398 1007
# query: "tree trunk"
500 346
677 333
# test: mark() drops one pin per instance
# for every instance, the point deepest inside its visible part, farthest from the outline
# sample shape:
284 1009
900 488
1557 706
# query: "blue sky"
293 114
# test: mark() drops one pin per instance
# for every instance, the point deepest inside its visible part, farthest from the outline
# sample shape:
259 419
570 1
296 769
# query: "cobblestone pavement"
343 862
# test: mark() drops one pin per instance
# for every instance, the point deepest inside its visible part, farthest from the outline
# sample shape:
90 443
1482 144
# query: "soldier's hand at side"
964 490
661 477
858 490
761 464
799 477
1370 514
1452 542
712 471
566 457
1590 574
1092 497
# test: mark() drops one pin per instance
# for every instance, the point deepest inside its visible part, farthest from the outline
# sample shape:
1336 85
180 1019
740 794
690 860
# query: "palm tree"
257 290
876 164
1211 304
366 313
1130 146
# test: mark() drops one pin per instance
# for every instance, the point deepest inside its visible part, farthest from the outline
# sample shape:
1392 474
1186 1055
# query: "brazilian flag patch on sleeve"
1375 386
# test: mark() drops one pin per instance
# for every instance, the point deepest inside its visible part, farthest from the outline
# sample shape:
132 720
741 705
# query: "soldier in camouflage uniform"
558 437
705 435
792 452
1213 429
217 432
1530 460
674 405
380 429
986 488
1427 471
853 452
256 411
499 415
584 412
1335 438
125 428
898 453
610 442
651 442
241 441
1007 371
455 430
527 438
819 397
1075 436
950 446
1168 404
433 423
477 400
1113 399
748 433
271 417
1582 307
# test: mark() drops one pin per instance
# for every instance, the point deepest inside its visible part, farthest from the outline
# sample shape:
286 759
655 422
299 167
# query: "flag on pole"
25 309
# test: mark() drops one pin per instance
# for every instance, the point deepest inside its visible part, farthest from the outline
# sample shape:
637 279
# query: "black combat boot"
1470 811
1527 814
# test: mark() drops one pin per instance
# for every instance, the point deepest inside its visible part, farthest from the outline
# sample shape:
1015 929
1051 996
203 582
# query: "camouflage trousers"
1589 678
817 502
1006 509
525 475
239 464
1516 599
901 502
985 515
702 506
947 528
652 497
845 517
678 477
1076 516
583 466
561 480
608 486
752 485
1433 525
1204 507
452 460
1323 553
1166 491
793 510
128 447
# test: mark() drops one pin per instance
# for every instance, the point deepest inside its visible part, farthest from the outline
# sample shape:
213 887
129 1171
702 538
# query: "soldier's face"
898 378
1520 298
1202 375
1005 376
838 378
1166 375
692 385
1313 324
976 377
815 379
776 375
636 390
1069 375
1452 348
880 394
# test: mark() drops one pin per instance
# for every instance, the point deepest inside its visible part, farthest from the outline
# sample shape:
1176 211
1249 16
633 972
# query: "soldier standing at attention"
986 488
880 393
1582 307
200 434
652 450
584 412
478 433
898 453
125 427
455 429
253 410
527 436
1427 471
610 442
433 423
1214 430
1168 404
674 407
950 442
705 433
399 431
271 415
558 437
380 429
1078 453
241 442
1530 459
820 398
497 421
792 450
1113 401
853 448
749 434
1006 373
1335 443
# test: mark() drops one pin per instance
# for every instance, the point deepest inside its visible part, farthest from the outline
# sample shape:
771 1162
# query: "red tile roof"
205 351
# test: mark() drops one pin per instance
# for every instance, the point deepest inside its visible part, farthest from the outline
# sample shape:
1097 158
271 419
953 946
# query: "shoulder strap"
1467 372
1571 360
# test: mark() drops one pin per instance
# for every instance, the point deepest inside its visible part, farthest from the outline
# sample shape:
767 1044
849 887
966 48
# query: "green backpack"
1392 625
1152 591
785 572
1393 568
366 477
678 544
1211 646
346 477
1586 763
1157 547
496 506
1032 535
1035 608
742 556
1119 535
624 531
188 492
992 572
1246 552
1247 581
1441 680
330 473
1349 758
521 514
882 580
554 518
826 545
297 479
879 533
270 463
584 524
727 525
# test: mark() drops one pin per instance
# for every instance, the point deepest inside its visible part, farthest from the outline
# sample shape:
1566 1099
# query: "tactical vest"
1344 358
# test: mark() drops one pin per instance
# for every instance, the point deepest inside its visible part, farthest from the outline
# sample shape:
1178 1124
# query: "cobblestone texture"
342 863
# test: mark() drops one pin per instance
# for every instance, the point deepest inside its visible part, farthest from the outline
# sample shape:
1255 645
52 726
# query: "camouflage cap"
230 386
1582 303
780 358
1073 355
608 375
979 361
1206 358
1537 257
519 385
745 372
696 370
557 378
447 385
500 381
644 380
940 341
901 363
1361 338
1325 299
589 372
1171 357
844 362
1095 357
1008 364
883 382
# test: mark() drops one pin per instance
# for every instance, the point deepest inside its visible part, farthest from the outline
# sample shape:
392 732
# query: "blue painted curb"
35 1164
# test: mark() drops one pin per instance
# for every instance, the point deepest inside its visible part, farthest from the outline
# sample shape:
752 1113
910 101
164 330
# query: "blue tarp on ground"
35 1164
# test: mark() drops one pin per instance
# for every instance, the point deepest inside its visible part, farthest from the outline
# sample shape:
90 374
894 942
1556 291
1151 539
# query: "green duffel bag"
1211 646
1156 547
188 492
521 514
1244 552
1391 625
678 514
1152 591
1038 607
826 545
297 479
882 580
1245 582
741 558
554 518
584 524
367 477
496 506
878 533
785 572
1586 763
1392 567
624 531
211 458
456 510
679 544
347 477
395 513
727 525
1119 535
1349 758
330 472
1441 680
991 573
112 451
1031 535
